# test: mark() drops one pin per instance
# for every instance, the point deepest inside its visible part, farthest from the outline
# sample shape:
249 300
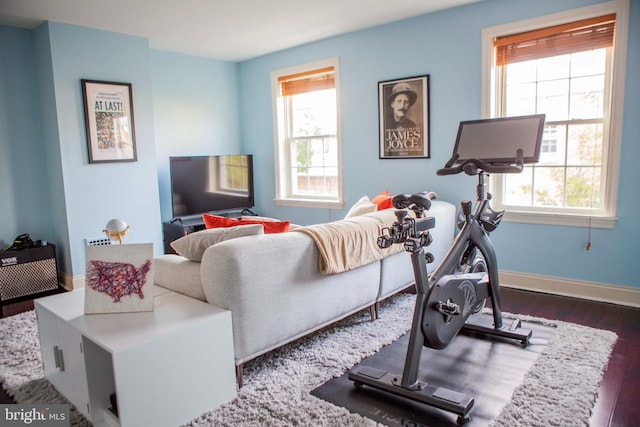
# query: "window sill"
571 220
310 203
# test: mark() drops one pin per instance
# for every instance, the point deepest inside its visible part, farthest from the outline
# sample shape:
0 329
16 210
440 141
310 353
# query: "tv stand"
181 226
176 228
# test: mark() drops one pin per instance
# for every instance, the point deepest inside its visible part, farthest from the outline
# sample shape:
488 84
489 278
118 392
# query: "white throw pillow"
259 218
192 246
361 207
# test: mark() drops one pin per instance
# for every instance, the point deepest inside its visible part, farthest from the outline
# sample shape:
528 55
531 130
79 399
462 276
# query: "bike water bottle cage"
489 219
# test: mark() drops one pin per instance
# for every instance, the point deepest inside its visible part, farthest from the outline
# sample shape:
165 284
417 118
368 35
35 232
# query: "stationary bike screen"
497 140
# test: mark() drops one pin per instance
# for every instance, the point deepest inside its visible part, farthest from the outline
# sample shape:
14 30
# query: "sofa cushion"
193 245
215 221
361 207
258 218
178 274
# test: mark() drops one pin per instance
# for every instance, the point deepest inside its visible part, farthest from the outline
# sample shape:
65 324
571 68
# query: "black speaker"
27 273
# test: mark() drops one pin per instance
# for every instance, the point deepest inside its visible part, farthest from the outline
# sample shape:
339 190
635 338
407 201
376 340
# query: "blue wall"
183 105
22 163
187 105
73 199
95 193
447 46
50 190
196 112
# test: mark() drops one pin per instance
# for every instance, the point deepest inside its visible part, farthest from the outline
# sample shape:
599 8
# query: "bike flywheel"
450 303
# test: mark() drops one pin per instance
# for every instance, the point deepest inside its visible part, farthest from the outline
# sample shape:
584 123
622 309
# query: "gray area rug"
560 389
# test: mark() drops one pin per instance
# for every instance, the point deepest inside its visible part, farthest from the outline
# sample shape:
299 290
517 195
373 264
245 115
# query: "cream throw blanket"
350 243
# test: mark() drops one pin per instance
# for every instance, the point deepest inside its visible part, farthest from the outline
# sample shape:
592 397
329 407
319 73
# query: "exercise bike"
447 301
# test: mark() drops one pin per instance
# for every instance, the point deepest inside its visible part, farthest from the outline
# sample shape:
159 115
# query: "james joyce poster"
404 118
109 121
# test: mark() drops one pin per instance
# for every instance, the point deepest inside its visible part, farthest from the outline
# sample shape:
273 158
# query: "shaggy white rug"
559 390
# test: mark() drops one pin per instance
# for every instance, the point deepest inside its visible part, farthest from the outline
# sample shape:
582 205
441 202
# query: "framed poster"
403 107
119 278
108 111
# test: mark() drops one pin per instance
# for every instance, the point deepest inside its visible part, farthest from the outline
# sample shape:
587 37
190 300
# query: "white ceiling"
231 30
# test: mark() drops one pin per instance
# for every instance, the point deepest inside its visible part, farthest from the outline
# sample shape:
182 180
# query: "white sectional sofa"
272 284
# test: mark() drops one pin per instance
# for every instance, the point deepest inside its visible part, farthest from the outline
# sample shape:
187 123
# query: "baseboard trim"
70 282
614 294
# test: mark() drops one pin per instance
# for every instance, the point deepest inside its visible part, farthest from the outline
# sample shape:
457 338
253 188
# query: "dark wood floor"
619 395
618 403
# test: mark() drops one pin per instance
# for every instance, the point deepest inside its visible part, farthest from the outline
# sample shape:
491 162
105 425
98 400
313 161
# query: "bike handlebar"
475 166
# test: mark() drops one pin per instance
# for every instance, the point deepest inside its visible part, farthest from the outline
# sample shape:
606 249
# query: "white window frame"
612 157
282 170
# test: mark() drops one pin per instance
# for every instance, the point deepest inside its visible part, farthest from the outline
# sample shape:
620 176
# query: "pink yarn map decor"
119 278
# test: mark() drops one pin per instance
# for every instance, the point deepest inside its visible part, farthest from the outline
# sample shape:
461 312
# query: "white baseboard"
71 282
621 295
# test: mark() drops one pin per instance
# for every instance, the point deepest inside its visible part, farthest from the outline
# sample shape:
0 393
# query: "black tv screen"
201 184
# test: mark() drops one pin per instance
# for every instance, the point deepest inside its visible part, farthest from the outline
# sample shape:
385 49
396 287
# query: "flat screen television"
201 184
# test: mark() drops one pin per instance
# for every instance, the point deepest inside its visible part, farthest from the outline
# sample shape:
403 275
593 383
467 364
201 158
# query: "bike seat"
401 201
421 200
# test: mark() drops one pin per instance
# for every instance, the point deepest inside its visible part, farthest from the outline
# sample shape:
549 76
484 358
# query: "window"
565 71
308 171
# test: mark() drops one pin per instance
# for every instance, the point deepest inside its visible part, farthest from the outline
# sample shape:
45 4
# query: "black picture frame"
110 127
404 120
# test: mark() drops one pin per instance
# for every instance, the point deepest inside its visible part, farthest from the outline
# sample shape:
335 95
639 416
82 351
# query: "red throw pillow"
269 226
382 200
214 221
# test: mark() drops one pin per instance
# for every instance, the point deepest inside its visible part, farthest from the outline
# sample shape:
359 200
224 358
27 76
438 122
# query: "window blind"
586 34
309 81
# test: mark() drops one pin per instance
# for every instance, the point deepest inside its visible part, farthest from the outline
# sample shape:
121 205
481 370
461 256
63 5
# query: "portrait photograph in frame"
403 107
108 109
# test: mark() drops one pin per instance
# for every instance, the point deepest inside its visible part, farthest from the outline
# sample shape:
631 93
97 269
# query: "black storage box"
27 273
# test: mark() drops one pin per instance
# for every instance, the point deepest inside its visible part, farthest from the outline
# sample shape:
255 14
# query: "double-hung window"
567 72
307 140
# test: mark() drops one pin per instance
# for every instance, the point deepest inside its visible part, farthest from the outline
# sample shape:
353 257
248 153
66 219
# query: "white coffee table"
165 367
